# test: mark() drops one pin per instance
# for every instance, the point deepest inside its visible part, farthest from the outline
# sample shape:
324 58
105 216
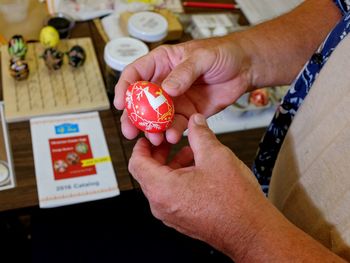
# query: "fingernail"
171 84
200 120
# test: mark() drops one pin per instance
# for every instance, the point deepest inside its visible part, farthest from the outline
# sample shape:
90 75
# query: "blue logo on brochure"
67 128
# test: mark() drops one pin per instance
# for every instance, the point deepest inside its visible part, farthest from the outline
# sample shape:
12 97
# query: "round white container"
148 26
120 52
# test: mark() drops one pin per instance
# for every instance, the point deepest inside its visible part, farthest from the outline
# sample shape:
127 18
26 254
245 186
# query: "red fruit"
149 107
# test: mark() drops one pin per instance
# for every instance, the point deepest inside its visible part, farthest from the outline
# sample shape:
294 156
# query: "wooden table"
24 195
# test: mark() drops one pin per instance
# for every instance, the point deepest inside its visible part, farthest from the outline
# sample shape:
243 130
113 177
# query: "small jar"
148 26
63 23
119 53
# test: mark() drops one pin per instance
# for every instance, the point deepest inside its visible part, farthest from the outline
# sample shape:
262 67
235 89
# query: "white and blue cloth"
272 141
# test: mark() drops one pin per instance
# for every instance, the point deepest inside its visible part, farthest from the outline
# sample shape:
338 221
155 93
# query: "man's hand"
205 191
209 194
203 76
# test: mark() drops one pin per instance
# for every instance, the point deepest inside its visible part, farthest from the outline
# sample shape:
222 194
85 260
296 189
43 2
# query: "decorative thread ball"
149 107
259 97
19 69
76 56
49 36
17 47
53 58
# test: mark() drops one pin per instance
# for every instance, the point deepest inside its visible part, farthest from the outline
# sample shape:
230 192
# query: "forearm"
269 237
279 48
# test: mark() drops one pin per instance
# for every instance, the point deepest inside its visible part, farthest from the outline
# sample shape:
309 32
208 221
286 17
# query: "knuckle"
204 53
161 50
187 70
207 137
156 198
163 47
156 213
163 205
127 68
132 167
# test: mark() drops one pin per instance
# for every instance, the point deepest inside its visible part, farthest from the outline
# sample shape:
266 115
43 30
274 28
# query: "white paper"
214 20
81 10
61 182
112 27
258 11
231 120
7 178
212 25
174 6
111 24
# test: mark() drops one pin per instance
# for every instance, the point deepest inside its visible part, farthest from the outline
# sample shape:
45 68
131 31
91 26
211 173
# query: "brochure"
7 177
72 161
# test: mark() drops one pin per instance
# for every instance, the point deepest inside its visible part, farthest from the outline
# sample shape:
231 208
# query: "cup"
62 22
14 11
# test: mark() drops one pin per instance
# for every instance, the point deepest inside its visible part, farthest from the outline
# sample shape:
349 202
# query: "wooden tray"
46 92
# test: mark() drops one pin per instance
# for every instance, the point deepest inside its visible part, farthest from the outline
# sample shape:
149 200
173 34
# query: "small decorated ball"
49 36
53 58
76 56
19 69
259 97
149 107
17 47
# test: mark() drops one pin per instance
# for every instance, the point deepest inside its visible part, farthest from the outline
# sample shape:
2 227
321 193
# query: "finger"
188 71
174 133
161 152
129 76
143 166
151 67
202 140
183 158
128 129
155 138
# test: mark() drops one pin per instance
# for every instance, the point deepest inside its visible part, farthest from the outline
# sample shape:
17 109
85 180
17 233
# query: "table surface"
24 195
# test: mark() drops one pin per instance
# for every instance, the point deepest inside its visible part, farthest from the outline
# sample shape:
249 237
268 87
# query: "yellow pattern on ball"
49 36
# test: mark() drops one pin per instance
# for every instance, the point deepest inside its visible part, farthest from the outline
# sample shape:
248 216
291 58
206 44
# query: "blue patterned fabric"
275 133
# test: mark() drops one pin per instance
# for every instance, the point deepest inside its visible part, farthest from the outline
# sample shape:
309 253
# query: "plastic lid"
148 26
120 52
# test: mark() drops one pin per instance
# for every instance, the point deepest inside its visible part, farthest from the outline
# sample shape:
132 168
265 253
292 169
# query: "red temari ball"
149 107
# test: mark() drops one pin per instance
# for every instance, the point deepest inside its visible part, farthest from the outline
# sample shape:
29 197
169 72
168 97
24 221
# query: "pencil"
209 5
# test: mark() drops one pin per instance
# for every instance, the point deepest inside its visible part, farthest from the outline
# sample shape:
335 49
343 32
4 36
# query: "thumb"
187 72
202 140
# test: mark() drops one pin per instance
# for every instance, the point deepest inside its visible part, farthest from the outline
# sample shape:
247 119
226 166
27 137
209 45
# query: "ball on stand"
76 56
17 47
49 37
19 69
53 58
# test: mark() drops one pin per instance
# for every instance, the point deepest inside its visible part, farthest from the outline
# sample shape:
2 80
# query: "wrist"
243 238
237 230
255 75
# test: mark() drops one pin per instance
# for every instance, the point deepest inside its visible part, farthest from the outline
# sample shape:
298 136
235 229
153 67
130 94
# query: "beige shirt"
311 179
